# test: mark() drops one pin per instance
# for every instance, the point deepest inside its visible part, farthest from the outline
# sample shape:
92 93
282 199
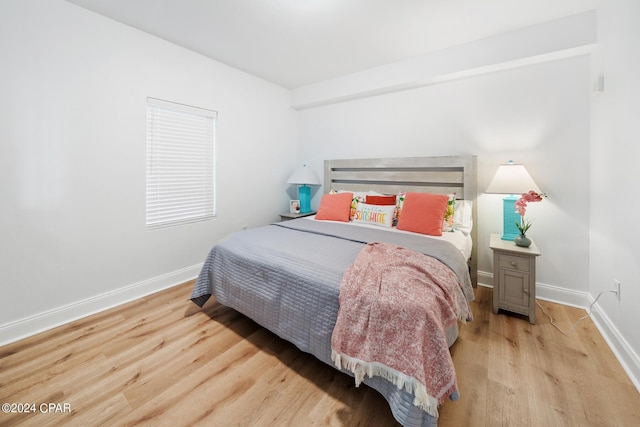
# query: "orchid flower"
521 208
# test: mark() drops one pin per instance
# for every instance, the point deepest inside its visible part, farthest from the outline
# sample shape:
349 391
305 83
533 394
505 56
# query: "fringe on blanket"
360 368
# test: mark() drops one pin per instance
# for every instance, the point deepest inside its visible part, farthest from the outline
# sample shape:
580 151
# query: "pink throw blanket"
395 305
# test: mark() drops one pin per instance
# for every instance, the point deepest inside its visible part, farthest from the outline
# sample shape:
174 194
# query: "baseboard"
563 296
41 322
485 279
547 292
621 349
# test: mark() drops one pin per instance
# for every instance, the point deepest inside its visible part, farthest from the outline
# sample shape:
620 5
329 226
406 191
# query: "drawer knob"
514 264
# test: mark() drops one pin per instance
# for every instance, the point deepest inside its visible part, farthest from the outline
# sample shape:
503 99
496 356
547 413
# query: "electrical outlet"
616 282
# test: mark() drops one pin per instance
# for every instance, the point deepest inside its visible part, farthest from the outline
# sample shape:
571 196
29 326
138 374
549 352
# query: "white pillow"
380 215
463 216
362 194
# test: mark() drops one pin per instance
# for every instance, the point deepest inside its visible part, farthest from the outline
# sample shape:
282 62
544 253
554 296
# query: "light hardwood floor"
162 361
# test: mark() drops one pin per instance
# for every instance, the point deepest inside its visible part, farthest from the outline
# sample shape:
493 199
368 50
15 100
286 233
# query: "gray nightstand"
514 277
288 216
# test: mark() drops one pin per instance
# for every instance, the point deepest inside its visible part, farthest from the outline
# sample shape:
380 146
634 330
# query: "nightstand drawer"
514 262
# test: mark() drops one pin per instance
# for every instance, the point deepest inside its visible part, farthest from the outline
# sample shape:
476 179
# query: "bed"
287 276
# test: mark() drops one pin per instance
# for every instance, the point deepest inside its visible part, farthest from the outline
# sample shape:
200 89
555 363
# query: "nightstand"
288 216
514 277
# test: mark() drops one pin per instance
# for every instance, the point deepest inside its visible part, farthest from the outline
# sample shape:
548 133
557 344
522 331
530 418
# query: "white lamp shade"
512 179
304 176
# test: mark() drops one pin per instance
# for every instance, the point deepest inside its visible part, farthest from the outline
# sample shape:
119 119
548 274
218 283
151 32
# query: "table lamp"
304 177
512 179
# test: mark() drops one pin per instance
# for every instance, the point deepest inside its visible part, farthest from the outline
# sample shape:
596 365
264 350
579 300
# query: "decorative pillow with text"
380 215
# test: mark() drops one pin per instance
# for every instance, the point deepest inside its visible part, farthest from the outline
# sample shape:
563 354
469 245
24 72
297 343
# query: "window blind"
180 164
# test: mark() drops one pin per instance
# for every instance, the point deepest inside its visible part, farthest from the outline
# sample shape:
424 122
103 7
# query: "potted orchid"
523 225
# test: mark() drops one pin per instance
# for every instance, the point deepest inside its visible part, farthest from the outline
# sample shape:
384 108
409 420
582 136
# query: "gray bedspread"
286 277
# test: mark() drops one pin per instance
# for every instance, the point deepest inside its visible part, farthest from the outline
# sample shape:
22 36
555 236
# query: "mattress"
286 277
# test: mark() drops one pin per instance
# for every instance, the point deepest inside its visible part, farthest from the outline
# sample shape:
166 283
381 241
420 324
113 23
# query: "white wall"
537 115
73 91
615 152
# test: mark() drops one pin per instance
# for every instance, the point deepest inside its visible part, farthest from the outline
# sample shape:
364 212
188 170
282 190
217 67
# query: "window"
180 164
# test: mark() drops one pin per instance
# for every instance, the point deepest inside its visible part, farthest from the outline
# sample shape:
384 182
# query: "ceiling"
294 43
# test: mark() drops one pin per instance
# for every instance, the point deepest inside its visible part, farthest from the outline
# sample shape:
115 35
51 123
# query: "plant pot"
522 241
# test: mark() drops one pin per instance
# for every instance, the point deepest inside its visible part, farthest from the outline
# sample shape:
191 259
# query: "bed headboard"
441 175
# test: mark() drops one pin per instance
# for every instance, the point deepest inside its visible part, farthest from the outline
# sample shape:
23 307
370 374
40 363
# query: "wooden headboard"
440 175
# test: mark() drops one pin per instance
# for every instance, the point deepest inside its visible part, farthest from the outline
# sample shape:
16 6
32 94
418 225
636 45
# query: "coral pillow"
423 213
335 207
381 200
358 197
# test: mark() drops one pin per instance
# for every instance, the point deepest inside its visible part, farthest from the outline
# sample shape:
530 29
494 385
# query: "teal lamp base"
510 217
304 194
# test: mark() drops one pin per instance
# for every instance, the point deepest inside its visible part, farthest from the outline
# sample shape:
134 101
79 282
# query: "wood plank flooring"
161 361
